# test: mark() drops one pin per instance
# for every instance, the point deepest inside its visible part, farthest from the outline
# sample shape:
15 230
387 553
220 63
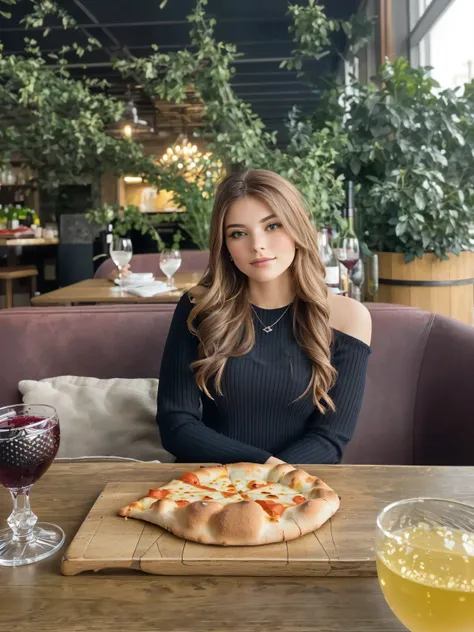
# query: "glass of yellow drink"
425 563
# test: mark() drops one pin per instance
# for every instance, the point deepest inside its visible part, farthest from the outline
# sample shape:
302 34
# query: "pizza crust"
231 521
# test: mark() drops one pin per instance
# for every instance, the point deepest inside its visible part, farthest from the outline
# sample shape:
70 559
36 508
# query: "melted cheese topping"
178 490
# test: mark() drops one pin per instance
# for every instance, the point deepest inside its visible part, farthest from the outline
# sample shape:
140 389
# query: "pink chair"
191 261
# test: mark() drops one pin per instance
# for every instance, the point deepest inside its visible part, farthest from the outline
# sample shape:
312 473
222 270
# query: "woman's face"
257 242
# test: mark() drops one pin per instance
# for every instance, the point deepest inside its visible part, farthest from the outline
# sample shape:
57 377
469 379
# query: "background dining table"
38 597
105 291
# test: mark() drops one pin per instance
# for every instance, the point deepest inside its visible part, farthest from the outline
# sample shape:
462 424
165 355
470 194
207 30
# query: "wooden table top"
30 241
39 598
104 291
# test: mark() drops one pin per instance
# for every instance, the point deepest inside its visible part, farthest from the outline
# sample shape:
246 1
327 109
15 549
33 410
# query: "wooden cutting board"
344 546
106 540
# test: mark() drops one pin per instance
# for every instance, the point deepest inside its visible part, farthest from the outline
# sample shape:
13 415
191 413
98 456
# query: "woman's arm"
327 435
179 416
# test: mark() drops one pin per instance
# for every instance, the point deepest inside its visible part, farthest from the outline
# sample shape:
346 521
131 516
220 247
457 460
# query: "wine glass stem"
21 520
120 277
170 284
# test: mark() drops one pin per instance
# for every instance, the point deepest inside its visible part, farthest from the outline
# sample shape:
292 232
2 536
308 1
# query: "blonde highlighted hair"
225 324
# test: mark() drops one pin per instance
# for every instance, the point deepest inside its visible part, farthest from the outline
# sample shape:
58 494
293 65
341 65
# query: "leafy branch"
124 219
6 14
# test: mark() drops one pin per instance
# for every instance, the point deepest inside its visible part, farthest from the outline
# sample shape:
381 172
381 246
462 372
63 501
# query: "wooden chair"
8 275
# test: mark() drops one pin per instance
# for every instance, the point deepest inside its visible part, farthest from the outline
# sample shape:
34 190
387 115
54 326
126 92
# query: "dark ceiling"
259 29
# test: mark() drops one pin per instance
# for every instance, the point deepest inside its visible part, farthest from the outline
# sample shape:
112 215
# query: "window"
417 9
448 45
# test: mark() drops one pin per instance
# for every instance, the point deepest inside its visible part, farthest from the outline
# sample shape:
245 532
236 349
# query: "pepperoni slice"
209 489
299 499
182 503
190 478
272 508
158 493
229 494
256 484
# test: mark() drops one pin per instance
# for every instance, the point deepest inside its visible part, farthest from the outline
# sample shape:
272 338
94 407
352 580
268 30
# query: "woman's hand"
125 272
274 461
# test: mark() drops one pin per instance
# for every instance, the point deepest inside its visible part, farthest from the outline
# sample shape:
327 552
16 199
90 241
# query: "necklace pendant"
267 329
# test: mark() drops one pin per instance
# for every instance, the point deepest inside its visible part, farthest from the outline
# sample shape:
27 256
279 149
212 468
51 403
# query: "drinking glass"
121 252
372 270
29 441
170 260
357 278
425 563
348 252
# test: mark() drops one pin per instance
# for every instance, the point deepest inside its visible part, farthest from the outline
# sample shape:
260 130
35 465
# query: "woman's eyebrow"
265 219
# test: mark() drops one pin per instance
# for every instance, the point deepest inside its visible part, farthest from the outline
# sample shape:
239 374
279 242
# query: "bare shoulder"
350 317
196 292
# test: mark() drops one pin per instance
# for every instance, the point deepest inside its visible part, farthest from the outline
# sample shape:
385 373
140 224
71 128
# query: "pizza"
241 504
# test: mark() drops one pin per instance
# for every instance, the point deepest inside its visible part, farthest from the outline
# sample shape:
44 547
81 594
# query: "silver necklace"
268 328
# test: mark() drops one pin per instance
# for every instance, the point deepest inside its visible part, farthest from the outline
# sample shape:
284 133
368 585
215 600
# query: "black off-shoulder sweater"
255 417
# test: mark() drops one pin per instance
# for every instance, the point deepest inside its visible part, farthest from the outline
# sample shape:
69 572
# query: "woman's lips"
263 262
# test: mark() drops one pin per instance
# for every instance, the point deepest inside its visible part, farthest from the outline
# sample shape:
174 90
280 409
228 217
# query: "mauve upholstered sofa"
419 398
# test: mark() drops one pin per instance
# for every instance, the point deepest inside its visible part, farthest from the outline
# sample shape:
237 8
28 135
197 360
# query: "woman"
262 363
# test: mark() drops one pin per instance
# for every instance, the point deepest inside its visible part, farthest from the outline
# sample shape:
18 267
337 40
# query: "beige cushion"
113 417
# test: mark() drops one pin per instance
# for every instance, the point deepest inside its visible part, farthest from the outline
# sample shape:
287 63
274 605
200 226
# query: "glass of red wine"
348 252
29 441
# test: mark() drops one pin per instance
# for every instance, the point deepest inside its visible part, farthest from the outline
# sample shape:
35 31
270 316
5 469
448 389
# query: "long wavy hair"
222 318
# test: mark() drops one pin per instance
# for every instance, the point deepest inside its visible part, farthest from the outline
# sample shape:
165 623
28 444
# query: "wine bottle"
349 252
332 278
110 236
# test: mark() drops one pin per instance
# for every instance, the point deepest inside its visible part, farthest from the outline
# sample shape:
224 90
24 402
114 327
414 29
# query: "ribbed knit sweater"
256 417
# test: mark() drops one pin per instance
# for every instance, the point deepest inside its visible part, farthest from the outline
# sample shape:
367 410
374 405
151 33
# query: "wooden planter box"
442 287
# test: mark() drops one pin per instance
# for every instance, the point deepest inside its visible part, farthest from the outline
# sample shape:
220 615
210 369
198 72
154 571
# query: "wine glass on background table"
357 277
425 563
29 441
170 261
121 252
348 252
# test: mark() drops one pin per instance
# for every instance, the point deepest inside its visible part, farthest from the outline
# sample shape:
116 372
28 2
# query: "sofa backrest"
98 341
397 417
384 432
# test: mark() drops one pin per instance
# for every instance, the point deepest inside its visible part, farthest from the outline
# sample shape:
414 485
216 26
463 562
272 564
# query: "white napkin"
150 289
136 279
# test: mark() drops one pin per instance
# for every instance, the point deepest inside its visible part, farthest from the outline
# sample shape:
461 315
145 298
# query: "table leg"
33 286
9 292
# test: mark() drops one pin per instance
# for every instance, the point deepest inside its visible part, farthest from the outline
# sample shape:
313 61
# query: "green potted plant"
411 150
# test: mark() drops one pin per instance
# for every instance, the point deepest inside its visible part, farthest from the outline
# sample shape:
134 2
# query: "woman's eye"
273 226
236 234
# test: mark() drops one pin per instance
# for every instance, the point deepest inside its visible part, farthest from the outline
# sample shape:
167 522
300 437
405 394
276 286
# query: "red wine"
349 263
26 451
